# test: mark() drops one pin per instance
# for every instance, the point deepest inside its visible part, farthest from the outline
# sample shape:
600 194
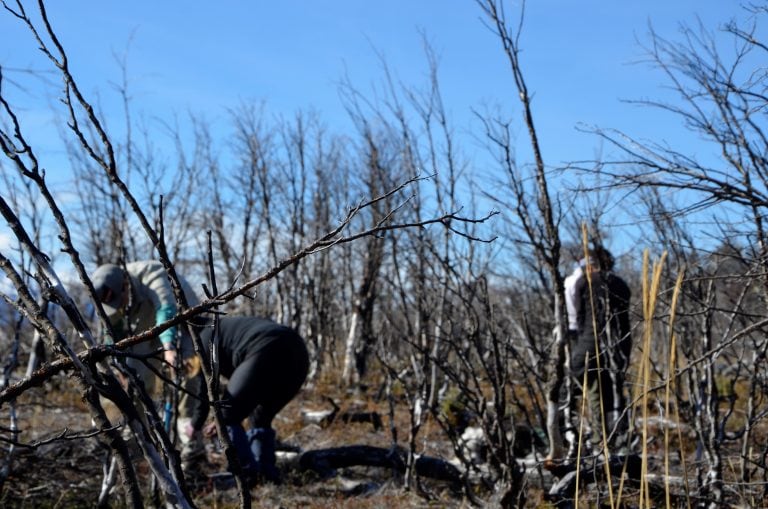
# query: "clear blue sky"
580 60
203 57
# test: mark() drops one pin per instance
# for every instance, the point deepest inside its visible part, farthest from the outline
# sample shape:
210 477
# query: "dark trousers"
265 382
604 390
607 406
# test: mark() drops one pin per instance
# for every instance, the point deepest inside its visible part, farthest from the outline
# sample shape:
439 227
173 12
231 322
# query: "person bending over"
265 364
136 298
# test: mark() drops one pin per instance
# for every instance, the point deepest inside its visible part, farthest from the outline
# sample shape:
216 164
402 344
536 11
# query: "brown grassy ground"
69 473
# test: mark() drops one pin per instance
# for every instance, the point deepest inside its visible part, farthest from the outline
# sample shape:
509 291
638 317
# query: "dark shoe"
241 443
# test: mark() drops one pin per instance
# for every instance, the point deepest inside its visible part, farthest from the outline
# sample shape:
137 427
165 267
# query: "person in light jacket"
136 298
600 340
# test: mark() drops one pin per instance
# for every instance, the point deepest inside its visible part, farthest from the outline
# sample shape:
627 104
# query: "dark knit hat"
108 281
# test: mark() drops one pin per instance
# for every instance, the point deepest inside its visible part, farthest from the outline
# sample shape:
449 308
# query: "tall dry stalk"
595 329
581 433
670 382
650 299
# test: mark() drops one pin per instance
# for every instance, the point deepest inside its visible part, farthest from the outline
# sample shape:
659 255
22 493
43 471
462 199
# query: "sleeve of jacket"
573 284
624 297
153 276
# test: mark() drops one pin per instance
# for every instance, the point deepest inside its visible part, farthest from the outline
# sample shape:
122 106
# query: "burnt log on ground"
326 461
562 493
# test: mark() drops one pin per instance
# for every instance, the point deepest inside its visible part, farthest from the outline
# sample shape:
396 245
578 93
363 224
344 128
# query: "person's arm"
620 299
573 285
625 329
162 314
154 278
117 322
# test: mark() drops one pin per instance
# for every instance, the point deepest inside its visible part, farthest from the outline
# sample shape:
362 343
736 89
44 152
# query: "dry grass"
68 473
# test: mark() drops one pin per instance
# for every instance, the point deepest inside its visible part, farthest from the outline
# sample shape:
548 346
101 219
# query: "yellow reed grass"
651 283
601 417
581 433
670 385
650 298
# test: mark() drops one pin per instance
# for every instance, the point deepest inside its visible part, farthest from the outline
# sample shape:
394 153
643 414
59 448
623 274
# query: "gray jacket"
151 301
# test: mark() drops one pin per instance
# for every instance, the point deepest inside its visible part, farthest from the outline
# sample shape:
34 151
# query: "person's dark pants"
262 385
607 408
605 394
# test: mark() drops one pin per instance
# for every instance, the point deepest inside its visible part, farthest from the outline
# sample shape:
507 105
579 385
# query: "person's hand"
170 357
209 429
122 379
189 430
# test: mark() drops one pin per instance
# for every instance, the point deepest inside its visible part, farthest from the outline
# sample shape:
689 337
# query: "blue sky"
580 60
190 56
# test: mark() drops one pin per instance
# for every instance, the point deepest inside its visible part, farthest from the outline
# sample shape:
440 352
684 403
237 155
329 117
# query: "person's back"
241 337
153 299
605 319
266 364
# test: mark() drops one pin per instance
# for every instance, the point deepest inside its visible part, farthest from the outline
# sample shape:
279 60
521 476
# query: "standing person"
597 301
136 298
266 364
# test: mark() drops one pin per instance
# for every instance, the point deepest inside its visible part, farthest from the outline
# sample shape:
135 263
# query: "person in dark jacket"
265 364
600 341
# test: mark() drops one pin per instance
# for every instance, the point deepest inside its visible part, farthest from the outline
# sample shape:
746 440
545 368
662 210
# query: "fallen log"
326 461
562 493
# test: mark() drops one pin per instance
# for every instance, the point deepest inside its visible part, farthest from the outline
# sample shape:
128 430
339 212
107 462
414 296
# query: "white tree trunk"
348 372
